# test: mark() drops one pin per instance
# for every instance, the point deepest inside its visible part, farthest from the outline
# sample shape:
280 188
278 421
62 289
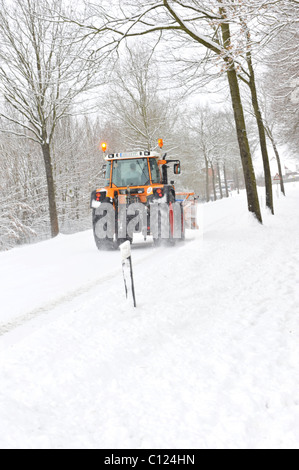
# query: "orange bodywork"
144 192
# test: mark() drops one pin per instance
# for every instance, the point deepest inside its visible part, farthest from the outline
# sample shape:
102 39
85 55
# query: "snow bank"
209 359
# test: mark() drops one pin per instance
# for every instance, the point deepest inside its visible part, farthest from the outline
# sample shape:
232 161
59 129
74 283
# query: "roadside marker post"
127 266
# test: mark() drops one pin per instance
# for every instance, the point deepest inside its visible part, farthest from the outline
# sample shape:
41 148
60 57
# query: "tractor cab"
140 172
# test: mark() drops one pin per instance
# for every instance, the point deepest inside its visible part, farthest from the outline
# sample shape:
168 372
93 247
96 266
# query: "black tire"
158 240
101 243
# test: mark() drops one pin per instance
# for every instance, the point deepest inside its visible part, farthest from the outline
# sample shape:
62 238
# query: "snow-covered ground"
209 359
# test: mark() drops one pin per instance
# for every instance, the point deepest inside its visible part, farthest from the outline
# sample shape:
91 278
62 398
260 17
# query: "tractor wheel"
176 223
102 243
166 225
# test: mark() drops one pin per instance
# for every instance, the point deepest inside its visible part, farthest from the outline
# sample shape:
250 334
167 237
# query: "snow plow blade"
189 203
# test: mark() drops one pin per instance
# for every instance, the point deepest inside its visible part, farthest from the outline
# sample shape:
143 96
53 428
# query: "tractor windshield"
130 172
155 171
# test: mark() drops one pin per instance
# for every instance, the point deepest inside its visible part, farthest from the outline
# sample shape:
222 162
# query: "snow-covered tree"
43 72
215 145
23 208
281 78
136 102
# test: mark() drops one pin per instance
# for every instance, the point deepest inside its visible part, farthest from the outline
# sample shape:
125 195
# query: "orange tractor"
137 198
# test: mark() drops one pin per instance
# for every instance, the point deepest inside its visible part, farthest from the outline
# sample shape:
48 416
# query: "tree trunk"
225 180
270 135
262 136
213 182
207 180
219 181
51 190
248 170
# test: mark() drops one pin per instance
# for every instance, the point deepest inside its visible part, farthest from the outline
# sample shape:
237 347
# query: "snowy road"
45 276
209 359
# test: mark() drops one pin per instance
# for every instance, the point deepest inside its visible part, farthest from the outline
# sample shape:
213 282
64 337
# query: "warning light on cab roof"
160 143
104 146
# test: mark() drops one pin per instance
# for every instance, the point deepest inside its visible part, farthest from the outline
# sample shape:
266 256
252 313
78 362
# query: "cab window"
155 171
108 170
130 172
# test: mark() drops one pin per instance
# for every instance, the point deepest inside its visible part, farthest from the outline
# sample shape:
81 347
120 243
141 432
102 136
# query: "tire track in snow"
17 322
43 309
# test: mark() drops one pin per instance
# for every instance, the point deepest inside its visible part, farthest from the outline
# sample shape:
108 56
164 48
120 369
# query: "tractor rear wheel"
101 243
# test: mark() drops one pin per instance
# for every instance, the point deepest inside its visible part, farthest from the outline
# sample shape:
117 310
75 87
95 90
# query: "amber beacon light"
160 143
104 147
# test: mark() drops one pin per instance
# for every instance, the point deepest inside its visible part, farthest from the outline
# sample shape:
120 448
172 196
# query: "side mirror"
93 199
177 169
